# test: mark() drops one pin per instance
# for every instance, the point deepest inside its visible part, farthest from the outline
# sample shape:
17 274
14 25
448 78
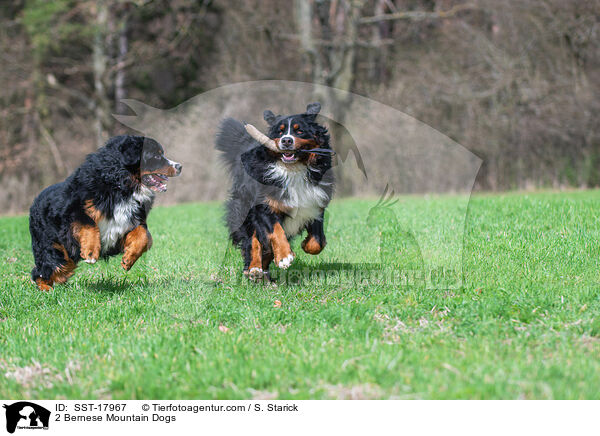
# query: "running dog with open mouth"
282 184
100 210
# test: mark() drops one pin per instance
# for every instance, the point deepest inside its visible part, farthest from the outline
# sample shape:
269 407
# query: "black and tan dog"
277 191
100 210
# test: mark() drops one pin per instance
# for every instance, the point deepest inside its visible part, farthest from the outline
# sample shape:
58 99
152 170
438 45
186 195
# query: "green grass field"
525 323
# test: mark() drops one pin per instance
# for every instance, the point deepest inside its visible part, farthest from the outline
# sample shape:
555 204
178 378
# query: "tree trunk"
304 18
332 66
100 61
122 47
378 54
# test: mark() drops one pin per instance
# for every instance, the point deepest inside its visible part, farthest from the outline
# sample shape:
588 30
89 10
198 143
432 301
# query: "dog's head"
294 133
146 160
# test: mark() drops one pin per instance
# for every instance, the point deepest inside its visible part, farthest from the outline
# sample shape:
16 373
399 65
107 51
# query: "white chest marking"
112 230
304 199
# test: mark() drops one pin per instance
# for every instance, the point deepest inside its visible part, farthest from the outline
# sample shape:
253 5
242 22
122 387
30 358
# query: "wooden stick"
272 145
261 138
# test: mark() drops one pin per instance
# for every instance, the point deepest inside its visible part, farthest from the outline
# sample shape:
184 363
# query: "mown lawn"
524 324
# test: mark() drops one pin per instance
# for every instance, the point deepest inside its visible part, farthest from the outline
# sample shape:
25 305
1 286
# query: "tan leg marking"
255 271
137 242
43 285
92 211
255 253
311 246
89 241
62 273
281 247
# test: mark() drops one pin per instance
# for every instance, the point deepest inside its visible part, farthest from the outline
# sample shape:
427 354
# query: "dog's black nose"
286 143
178 168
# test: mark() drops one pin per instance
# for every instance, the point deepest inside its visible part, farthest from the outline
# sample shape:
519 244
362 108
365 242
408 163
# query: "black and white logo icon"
26 415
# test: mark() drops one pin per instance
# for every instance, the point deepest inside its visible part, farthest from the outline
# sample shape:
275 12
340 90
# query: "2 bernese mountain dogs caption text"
281 185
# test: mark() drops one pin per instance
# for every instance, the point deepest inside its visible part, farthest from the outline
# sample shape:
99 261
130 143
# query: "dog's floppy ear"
313 109
131 149
269 117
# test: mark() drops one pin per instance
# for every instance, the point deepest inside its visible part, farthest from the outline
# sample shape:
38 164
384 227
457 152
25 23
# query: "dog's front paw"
286 261
127 263
255 274
91 256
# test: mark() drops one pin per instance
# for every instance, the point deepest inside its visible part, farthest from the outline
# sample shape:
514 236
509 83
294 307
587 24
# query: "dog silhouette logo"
26 415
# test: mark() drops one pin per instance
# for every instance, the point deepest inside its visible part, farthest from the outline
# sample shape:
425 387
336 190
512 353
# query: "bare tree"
515 81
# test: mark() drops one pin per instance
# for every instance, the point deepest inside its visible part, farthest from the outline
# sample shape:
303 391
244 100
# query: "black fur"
107 178
255 186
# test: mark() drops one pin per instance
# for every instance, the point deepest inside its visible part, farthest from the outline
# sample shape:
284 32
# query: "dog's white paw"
91 260
286 261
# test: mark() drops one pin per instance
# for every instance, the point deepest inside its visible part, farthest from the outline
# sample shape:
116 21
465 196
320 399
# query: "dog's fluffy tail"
233 140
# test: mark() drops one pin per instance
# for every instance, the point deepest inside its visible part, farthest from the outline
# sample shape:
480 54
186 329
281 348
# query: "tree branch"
417 15
337 44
